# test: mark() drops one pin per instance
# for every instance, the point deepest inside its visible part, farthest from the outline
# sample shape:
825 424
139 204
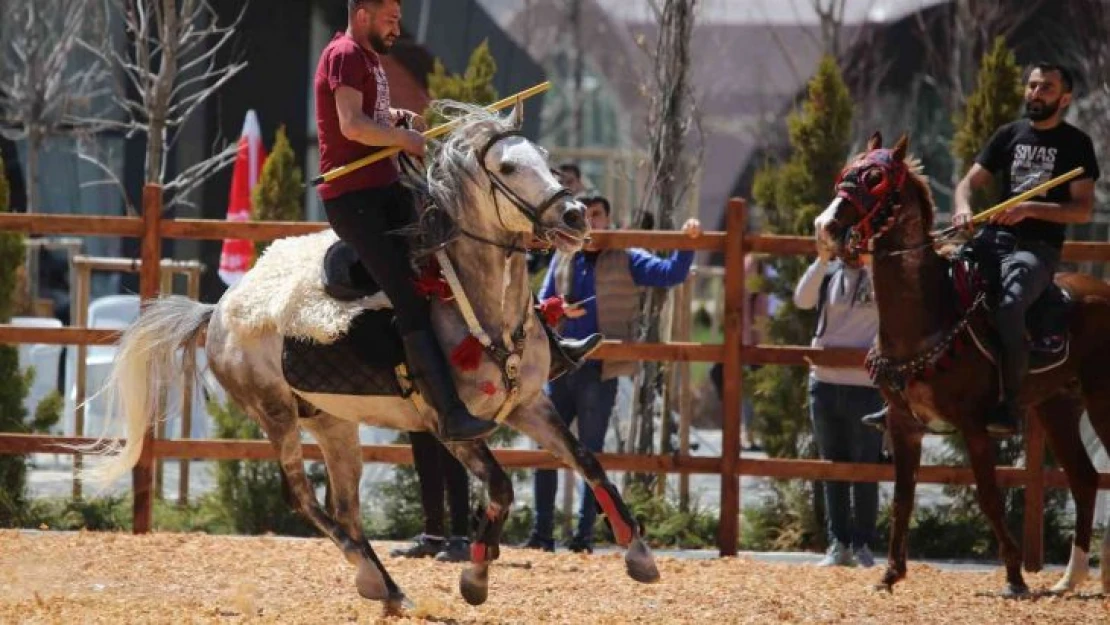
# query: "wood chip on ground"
93 577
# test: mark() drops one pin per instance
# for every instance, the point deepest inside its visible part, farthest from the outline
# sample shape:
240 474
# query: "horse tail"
145 368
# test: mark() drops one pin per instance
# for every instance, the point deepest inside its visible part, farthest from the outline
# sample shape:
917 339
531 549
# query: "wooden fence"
151 229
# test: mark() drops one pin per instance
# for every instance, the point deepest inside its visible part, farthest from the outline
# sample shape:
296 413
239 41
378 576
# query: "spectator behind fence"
846 317
759 306
439 472
570 175
601 294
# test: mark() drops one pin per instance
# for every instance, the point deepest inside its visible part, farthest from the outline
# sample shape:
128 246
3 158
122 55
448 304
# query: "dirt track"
192 578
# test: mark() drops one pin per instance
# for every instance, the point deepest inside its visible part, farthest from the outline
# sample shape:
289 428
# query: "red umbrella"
237 255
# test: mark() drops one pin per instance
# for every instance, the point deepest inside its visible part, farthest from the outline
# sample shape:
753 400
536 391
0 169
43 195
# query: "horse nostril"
575 218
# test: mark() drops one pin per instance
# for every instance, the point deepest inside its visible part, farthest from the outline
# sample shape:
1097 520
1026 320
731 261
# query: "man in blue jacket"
601 294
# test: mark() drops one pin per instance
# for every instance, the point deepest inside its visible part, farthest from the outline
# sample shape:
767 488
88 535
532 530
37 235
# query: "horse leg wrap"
486 547
613 507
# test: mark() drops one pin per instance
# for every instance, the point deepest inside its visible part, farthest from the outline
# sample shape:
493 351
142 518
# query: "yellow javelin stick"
431 133
1031 193
1021 197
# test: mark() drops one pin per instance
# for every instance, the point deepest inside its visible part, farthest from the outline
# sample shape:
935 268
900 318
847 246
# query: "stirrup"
1002 421
567 355
876 420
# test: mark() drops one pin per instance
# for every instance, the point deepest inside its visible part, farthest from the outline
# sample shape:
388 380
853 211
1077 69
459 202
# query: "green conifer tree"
278 196
14 383
474 86
791 196
996 101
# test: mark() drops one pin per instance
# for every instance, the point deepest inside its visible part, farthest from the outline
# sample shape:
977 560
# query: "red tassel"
431 282
552 309
468 354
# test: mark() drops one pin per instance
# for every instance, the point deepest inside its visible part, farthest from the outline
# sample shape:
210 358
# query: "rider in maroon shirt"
365 207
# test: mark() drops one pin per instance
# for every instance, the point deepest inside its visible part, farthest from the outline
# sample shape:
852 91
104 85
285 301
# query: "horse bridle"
532 212
877 204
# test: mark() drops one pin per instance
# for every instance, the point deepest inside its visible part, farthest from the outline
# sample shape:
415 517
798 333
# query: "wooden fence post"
733 384
1033 522
142 476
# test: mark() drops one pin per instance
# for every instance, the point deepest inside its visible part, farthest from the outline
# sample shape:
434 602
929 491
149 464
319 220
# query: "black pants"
1026 273
437 469
1021 271
368 220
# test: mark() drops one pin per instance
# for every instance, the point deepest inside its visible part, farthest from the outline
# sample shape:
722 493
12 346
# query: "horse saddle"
345 279
1046 320
365 361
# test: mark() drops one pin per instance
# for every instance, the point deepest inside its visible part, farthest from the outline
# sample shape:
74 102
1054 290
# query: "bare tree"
1085 38
671 119
45 82
174 61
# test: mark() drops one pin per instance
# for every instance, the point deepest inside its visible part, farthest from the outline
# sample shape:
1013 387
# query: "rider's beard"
379 44
1040 110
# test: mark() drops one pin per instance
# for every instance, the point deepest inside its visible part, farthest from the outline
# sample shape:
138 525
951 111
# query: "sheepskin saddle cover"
286 292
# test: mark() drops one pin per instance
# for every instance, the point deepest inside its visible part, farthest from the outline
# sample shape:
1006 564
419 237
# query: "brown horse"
884 206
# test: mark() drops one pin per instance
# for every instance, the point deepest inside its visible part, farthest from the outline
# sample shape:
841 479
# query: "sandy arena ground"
193 578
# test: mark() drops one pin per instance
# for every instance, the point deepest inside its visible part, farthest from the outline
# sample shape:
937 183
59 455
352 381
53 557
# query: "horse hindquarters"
249 369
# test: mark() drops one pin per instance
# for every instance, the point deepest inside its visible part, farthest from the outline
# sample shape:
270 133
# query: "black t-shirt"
1021 157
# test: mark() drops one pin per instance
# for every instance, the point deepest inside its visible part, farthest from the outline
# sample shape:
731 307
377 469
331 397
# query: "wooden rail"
151 228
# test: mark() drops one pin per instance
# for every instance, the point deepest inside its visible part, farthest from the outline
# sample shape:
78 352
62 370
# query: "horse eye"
872 178
507 169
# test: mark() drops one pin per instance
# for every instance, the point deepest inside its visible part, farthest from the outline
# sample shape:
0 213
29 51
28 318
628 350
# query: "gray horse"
490 189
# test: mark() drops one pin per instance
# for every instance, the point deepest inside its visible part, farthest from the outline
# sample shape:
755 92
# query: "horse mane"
441 188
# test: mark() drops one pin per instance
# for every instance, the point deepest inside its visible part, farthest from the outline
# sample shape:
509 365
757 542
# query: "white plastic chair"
44 358
112 312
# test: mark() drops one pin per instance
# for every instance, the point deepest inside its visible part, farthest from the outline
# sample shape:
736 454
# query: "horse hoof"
370 583
639 562
474 584
1014 591
398 604
1061 587
884 586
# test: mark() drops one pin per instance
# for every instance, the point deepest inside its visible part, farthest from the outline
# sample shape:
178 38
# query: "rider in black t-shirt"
1026 240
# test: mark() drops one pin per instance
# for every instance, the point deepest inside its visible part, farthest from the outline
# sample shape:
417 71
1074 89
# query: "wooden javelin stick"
1021 197
431 133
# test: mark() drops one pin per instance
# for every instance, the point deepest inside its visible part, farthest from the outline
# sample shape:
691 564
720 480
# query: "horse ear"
901 146
876 141
516 120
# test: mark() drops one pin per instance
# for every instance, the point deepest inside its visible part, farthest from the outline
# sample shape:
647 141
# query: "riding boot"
1005 418
432 376
567 354
876 420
